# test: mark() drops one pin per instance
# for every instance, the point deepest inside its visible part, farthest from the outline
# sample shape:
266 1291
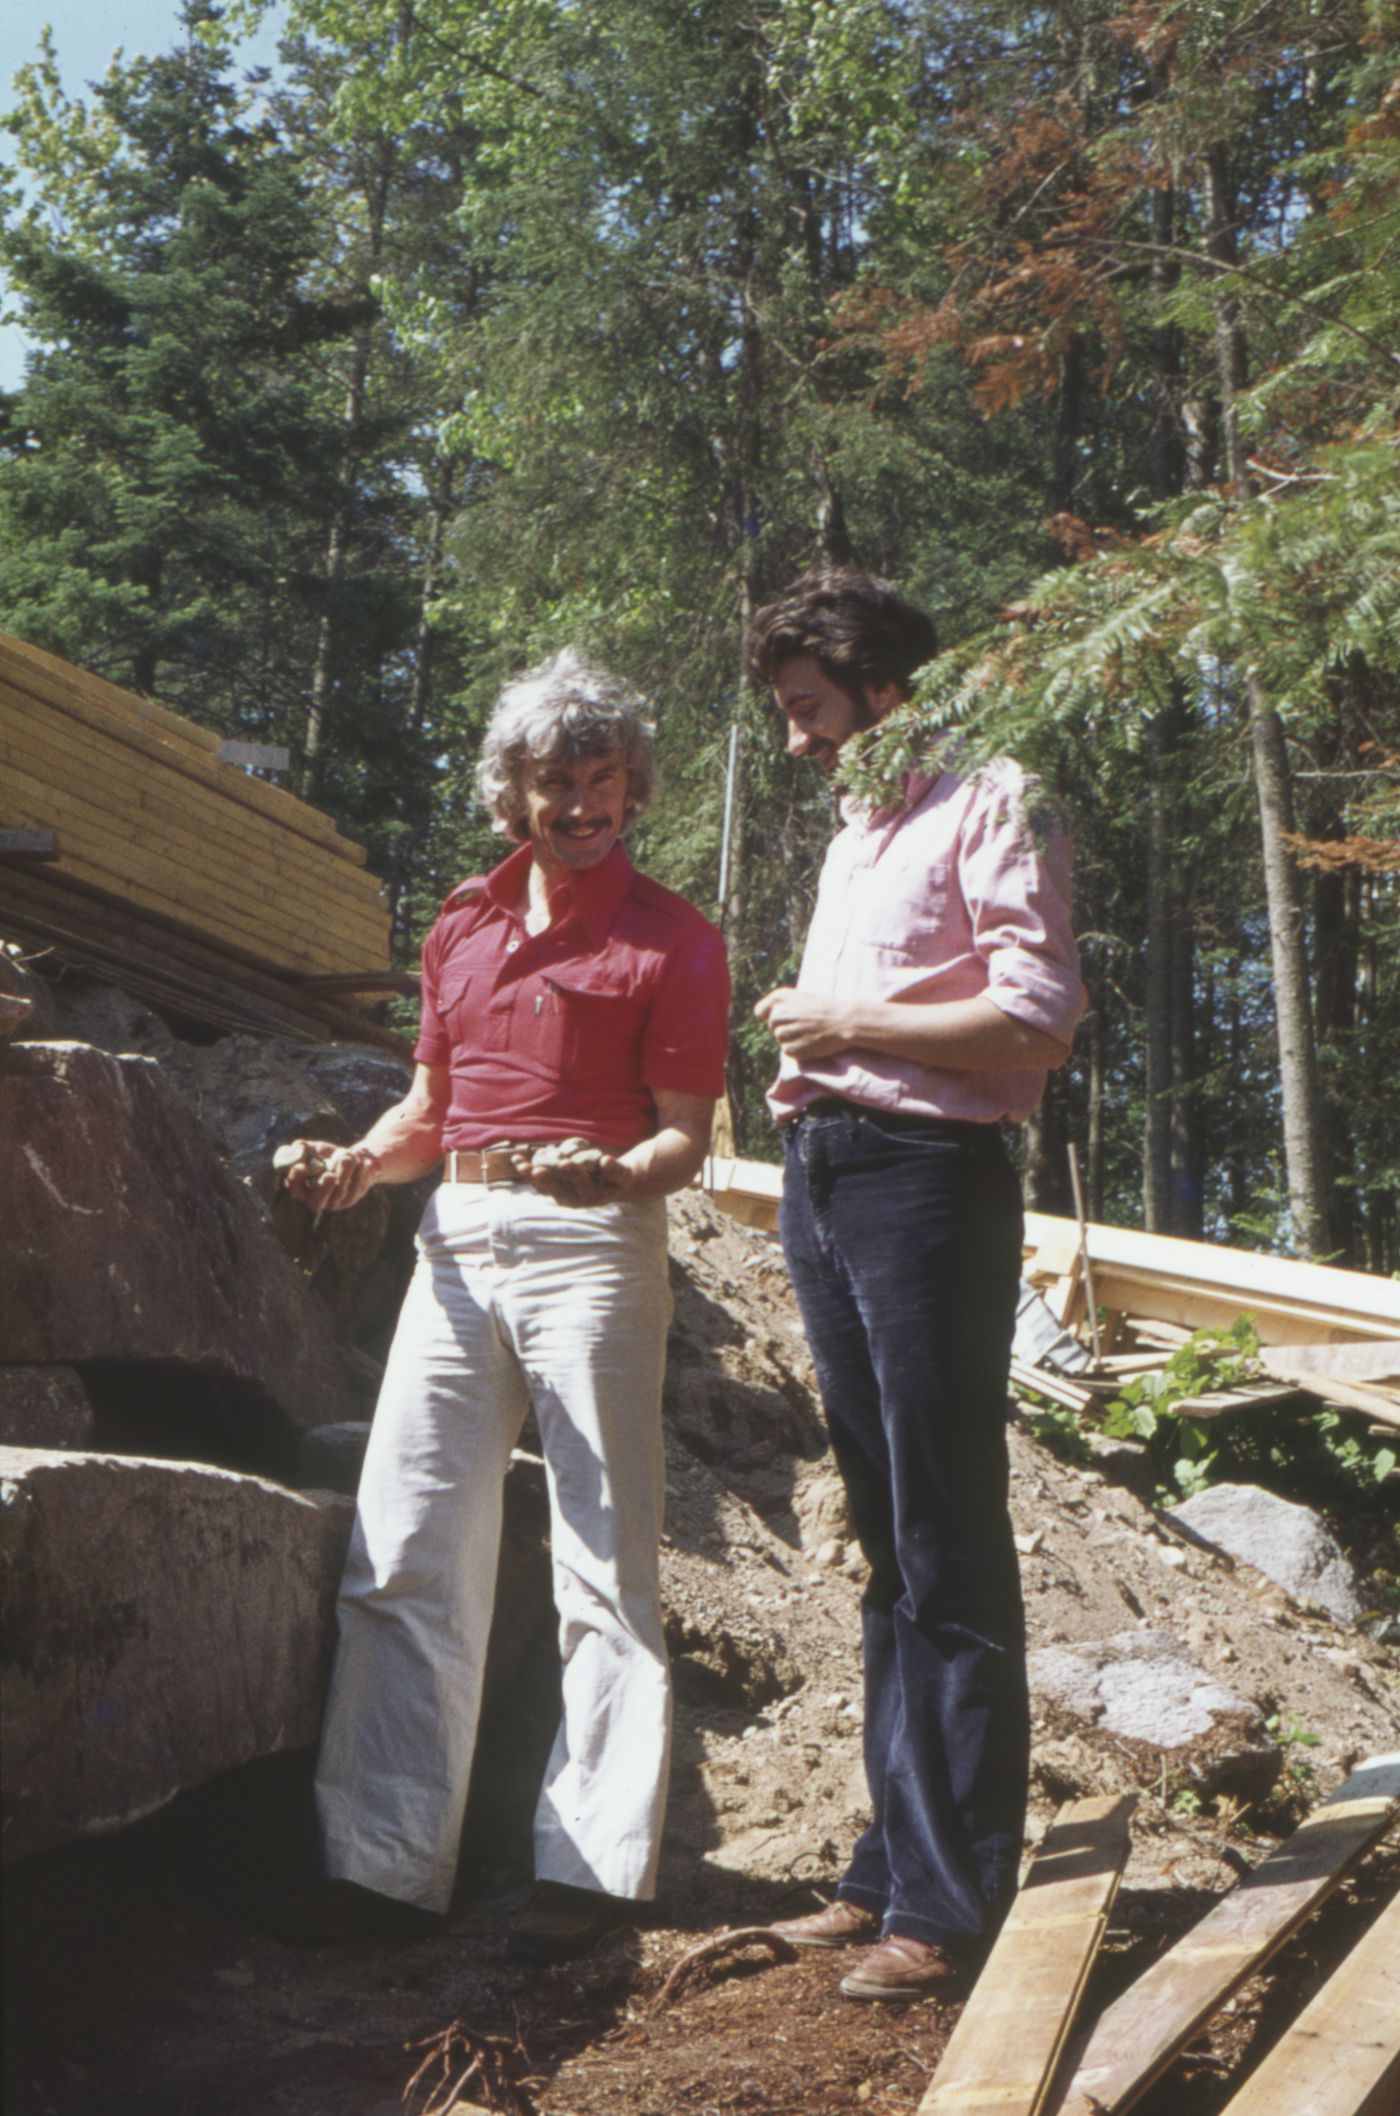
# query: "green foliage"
1059 1428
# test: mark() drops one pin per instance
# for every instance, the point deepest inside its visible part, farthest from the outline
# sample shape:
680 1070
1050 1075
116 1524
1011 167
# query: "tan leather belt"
491 1165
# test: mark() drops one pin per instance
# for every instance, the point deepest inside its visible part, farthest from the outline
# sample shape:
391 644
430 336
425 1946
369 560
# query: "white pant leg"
588 1302
415 1603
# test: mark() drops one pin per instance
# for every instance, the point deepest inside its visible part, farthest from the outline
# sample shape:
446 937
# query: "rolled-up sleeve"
1014 866
686 1039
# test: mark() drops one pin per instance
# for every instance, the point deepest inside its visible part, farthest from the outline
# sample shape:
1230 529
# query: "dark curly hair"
861 630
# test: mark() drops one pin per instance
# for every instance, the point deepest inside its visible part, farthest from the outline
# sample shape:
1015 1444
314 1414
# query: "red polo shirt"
566 1032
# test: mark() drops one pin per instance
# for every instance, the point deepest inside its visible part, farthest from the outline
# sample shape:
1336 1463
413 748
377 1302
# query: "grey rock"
253 1093
165 1257
164 1621
44 1407
1288 1543
1144 1688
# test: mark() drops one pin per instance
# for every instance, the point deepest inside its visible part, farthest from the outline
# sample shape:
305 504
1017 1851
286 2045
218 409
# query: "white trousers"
516 1301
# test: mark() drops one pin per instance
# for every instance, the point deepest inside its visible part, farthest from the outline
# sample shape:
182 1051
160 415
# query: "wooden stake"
1086 1268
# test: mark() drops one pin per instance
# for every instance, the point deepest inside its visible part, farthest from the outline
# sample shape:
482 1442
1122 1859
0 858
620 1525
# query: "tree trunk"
1303 1150
1303 1145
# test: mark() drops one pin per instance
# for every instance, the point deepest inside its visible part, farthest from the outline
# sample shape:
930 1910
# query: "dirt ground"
140 1981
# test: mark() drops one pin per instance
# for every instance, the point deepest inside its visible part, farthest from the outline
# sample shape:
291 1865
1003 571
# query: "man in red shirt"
563 996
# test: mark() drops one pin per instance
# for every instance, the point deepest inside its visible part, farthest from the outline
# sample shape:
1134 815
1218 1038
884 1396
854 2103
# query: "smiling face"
821 716
574 810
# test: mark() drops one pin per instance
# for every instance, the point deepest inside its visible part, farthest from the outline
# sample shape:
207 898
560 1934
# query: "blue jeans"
903 1238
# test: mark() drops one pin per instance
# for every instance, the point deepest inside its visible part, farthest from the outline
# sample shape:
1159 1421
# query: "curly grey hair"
563 709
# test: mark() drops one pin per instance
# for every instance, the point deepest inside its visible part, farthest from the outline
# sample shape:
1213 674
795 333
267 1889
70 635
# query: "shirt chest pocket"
464 993
583 1022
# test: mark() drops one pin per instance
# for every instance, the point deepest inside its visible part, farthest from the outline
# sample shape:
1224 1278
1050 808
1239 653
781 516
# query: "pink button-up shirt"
963 892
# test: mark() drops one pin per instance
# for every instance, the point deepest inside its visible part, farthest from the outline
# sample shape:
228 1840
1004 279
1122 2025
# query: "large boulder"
1162 1708
45 1407
163 1621
1288 1543
252 1094
126 1240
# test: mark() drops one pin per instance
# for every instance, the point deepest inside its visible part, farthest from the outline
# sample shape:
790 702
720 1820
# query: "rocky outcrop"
1286 1542
165 1256
45 1407
163 1621
1143 1688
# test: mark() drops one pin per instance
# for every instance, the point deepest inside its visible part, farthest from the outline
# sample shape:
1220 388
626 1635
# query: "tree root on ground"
723 1945
462 2057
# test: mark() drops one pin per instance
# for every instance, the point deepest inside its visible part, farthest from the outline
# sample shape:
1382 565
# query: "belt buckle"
500 1155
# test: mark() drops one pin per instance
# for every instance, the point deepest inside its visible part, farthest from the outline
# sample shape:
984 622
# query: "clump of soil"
140 1982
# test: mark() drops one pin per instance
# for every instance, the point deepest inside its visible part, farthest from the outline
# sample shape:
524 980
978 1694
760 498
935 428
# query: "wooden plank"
239 915
32 664
28 845
1137 2038
1058 1387
1002 2054
1221 1403
1178 1285
1345 2044
280 887
1355 1396
92 769
73 696
402 982
749 1191
206 979
1376 1362
278 949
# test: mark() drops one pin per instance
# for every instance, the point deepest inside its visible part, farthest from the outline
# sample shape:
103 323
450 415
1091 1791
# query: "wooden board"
162 736
148 841
1058 1387
1137 2038
1372 1363
1002 2054
1182 1285
28 664
1345 2044
83 764
173 967
277 897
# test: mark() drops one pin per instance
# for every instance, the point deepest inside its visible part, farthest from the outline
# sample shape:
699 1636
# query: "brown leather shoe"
904 1968
560 1923
841 1924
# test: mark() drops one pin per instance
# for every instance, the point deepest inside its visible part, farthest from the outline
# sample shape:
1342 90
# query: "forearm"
404 1144
667 1161
959 1035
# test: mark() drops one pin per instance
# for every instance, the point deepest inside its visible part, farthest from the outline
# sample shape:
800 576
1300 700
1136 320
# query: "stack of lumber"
1324 1333
174 872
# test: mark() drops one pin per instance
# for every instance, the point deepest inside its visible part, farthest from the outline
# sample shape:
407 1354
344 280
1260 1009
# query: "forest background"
481 328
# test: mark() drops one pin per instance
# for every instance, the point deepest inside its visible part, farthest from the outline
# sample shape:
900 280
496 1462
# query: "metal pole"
730 776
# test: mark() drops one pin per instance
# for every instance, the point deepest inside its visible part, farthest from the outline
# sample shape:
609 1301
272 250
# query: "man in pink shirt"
940 982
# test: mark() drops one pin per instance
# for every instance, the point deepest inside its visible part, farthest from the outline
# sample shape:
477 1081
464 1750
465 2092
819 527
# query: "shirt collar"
913 786
594 895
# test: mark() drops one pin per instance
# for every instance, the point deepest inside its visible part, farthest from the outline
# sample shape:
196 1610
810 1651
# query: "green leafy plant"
1292 1735
1058 1428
